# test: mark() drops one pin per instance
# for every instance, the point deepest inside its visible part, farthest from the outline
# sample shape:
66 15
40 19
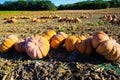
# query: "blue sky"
56 2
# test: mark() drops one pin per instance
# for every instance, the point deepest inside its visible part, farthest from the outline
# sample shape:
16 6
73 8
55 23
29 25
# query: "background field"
20 66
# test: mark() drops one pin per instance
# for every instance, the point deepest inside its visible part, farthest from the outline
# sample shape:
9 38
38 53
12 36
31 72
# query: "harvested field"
59 64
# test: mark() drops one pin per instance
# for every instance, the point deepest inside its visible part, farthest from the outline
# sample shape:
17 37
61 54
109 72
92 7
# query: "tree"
29 5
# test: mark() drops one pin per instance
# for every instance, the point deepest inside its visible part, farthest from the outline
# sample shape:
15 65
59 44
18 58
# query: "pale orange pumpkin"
106 46
20 46
99 37
8 42
49 34
37 47
114 54
57 40
70 43
109 49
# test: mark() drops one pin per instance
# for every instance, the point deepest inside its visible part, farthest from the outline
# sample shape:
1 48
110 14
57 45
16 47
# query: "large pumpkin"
37 47
8 42
106 46
114 54
109 49
99 37
57 40
20 46
70 43
49 34
85 46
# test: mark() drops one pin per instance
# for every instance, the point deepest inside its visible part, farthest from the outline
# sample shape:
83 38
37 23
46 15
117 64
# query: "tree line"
94 4
48 5
28 5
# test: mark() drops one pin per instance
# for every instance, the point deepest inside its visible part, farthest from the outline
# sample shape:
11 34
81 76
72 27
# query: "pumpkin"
57 40
37 47
114 54
77 20
8 42
85 46
49 34
11 20
34 20
106 46
109 49
70 43
79 40
20 46
99 37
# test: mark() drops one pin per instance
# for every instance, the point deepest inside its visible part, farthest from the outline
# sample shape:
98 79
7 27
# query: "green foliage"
101 22
63 29
28 5
93 24
96 4
96 23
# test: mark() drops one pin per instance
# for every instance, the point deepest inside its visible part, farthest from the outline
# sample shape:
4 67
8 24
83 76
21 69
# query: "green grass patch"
10 12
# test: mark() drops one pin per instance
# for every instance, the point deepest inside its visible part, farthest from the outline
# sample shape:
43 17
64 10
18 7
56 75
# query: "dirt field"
58 65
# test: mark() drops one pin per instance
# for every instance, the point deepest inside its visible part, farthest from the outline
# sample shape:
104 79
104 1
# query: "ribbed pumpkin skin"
114 54
89 47
79 43
85 46
8 42
20 46
49 34
57 40
70 43
37 47
109 49
106 46
99 37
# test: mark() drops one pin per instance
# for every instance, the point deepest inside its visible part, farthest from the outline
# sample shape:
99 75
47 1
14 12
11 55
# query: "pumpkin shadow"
57 55
62 55
13 55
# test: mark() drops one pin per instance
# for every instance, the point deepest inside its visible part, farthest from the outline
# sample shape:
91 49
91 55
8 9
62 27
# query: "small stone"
99 69
86 72
97 77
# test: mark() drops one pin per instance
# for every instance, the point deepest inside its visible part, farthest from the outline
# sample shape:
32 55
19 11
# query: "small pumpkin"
57 40
99 37
37 47
8 42
11 20
77 20
49 34
85 46
70 43
20 46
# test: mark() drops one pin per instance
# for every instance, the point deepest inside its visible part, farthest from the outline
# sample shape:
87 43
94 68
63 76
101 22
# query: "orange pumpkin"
37 47
99 37
8 42
70 43
57 40
85 46
114 54
49 34
109 49
20 46
106 46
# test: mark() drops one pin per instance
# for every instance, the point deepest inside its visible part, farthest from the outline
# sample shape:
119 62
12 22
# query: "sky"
56 2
